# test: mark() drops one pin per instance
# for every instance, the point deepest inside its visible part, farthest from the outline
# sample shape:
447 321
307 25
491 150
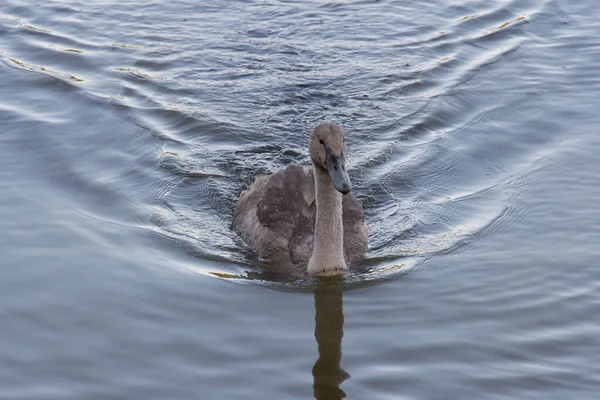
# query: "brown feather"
276 217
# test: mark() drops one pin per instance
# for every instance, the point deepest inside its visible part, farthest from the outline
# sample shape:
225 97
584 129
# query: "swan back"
276 217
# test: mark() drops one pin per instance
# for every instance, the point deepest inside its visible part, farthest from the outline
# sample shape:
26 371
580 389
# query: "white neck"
328 247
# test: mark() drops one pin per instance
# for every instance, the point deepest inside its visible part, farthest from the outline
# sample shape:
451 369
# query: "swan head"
327 148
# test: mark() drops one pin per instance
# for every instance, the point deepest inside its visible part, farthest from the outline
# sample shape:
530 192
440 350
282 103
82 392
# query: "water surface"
129 129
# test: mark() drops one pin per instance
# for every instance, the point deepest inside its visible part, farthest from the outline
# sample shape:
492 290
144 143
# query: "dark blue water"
129 128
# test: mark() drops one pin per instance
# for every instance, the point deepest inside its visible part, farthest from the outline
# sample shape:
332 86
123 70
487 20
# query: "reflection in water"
329 330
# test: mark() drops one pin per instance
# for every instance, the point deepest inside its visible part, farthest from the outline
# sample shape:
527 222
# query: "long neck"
328 247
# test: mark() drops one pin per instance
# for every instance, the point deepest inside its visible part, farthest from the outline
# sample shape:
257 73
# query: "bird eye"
321 141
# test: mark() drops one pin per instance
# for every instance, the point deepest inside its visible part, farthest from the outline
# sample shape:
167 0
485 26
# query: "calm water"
129 128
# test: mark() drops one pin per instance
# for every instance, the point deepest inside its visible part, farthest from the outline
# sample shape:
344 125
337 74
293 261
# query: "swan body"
302 218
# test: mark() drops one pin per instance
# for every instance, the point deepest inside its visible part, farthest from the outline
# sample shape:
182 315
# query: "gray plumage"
276 217
304 219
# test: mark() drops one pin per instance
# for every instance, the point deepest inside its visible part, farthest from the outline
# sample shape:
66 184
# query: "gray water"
129 128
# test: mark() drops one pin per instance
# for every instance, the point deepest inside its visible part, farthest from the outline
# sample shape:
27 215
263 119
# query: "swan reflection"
329 330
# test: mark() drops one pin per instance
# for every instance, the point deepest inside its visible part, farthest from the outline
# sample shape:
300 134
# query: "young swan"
327 150
297 219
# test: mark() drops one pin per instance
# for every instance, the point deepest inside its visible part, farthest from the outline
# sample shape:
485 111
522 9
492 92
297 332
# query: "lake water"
129 128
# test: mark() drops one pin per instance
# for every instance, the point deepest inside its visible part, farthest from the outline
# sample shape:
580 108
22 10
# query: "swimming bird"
302 219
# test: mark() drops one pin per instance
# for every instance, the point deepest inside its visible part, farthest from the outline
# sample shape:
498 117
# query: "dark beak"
336 165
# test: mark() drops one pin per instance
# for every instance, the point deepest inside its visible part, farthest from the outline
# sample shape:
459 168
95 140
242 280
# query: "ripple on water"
418 116
472 132
409 124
